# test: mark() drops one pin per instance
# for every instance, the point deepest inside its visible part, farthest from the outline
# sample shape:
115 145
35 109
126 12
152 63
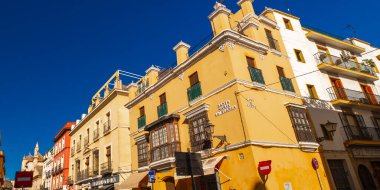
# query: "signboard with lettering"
105 181
185 160
23 179
152 176
225 107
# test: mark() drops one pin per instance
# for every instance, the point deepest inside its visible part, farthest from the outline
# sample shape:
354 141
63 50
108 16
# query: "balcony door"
369 94
338 88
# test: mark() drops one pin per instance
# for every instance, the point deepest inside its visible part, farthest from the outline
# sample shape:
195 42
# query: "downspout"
241 117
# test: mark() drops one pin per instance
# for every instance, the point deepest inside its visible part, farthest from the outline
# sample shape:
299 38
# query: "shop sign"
105 181
265 167
23 179
314 163
225 107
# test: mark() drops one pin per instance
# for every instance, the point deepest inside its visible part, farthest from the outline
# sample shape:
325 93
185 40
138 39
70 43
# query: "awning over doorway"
133 180
208 166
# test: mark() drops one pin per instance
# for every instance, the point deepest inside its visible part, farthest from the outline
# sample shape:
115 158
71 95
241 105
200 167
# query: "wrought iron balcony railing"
287 84
194 92
86 140
106 126
79 146
256 75
344 63
106 168
162 110
141 121
96 134
70 180
362 133
273 44
337 93
72 151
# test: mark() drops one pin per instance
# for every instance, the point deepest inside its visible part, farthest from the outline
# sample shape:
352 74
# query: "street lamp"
330 128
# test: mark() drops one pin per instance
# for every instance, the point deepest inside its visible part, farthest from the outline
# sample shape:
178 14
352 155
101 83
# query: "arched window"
366 178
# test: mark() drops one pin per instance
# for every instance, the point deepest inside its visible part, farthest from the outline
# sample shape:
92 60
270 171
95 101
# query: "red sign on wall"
23 179
265 167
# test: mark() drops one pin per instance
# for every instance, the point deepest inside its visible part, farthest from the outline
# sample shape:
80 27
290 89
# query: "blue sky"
54 55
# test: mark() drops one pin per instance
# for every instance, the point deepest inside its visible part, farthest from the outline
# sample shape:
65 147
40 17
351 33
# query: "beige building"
100 143
34 163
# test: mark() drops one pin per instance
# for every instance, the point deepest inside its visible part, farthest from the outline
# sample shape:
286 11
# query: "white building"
340 87
47 170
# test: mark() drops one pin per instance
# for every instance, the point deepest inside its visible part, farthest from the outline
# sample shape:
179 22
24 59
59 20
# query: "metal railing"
106 168
273 44
96 134
344 63
106 126
70 180
353 95
162 110
287 84
95 172
256 75
72 151
362 133
79 146
141 121
194 92
84 174
86 140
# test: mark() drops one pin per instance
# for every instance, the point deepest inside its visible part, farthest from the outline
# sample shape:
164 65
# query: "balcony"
194 92
95 172
84 174
342 96
106 127
351 68
273 44
106 168
141 121
362 133
162 110
72 151
96 134
79 147
256 75
287 84
86 141
70 181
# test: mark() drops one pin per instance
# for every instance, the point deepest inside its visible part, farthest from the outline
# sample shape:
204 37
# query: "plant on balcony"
322 57
369 62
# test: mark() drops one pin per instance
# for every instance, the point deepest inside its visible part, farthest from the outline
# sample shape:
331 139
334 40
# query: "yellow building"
100 143
233 101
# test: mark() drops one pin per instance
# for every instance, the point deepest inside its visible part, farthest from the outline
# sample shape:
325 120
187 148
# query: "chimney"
220 18
246 7
182 51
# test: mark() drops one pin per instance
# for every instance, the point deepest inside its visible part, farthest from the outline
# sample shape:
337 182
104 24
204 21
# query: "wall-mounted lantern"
330 128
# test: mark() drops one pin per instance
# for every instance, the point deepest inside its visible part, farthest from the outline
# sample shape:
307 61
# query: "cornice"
219 9
242 1
223 37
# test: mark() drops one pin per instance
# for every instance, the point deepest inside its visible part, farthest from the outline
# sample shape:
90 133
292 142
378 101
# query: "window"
251 62
141 121
339 174
280 71
195 90
288 24
95 162
299 55
142 151
312 92
162 109
200 139
301 124
164 141
273 44
286 83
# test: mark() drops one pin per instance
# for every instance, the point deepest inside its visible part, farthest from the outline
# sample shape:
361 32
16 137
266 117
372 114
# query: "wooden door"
369 94
338 88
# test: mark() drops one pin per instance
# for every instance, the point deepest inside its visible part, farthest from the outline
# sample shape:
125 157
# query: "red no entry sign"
265 167
23 179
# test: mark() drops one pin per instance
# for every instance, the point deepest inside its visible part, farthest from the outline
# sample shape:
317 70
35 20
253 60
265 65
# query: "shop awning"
133 180
208 166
